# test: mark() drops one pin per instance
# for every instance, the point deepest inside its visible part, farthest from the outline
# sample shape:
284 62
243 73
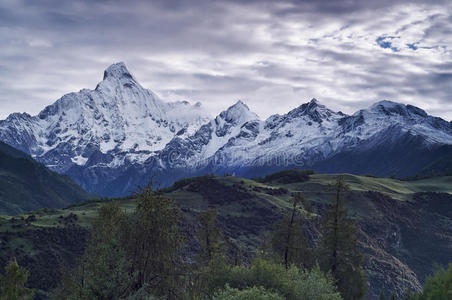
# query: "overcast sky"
272 55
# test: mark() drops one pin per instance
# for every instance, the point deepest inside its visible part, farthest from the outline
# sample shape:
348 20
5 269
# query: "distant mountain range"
111 139
28 185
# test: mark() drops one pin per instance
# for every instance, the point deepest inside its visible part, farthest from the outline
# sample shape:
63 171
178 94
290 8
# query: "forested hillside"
403 226
27 185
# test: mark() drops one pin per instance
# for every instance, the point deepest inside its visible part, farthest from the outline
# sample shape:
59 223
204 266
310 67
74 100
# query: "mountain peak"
313 109
239 105
117 71
314 104
387 107
19 116
314 101
117 75
386 104
238 113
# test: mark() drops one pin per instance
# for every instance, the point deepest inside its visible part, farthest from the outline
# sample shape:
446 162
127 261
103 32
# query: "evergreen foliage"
210 238
288 244
140 255
129 257
13 283
153 243
252 293
287 176
439 286
338 251
103 271
292 284
211 258
28 185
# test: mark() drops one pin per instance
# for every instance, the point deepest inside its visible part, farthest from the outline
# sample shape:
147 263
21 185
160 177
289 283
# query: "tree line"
143 255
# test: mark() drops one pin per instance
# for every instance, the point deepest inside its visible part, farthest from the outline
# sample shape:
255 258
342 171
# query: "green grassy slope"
406 225
230 194
27 185
397 189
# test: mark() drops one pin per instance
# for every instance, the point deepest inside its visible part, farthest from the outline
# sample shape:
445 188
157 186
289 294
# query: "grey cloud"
218 51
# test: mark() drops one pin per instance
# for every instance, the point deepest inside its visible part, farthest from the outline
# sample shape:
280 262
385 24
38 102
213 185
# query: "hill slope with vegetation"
405 226
27 185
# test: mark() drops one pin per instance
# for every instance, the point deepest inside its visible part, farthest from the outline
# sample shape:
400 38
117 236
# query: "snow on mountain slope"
194 149
111 139
307 134
367 122
283 139
120 121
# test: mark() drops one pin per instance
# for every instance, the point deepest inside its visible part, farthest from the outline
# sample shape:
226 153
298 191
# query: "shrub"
288 176
439 286
252 293
293 283
12 284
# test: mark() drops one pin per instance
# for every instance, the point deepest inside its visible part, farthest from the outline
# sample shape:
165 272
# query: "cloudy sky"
274 55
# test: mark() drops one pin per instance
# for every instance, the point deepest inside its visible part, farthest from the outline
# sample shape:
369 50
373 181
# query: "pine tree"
339 250
211 256
109 224
409 295
129 256
13 283
287 242
103 270
439 286
210 238
238 257
154 243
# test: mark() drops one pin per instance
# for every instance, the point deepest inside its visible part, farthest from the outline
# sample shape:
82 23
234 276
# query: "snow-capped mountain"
381 115
113 138
305 137
116 124
195 150
251 140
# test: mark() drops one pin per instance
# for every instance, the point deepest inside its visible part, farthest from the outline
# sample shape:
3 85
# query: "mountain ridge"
111 117
115 137
26 184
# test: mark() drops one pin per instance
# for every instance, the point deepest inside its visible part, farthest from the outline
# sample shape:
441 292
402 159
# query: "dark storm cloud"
347 54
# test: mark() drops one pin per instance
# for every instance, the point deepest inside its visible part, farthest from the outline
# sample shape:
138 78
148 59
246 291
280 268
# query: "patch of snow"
79 160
